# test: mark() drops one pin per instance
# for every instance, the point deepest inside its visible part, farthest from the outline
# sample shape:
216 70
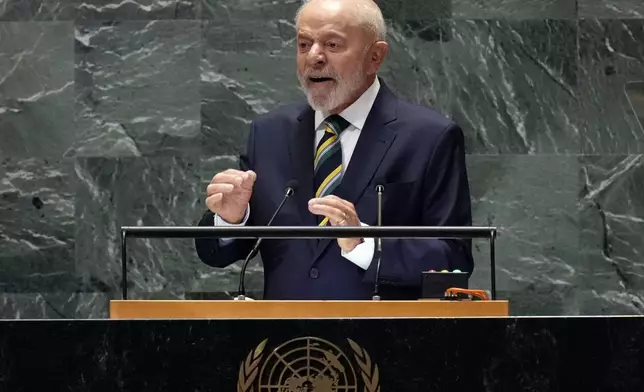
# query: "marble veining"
610 55
137 9
137 88
37 10
36 226
128 192
611 228
514 9
512 85
532 200
120 112
36 89
612 9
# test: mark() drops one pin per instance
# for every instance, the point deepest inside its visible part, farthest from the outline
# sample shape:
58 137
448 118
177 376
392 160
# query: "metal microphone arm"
378 240
241 295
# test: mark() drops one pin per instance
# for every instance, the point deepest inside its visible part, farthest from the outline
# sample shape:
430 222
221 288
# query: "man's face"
332 57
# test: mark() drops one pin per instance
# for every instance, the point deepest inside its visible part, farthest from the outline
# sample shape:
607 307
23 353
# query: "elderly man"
352 133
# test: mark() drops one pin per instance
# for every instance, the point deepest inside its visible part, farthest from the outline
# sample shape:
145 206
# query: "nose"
316 55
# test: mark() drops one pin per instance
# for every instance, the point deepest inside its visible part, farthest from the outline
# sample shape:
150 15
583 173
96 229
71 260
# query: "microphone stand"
378 240
241 296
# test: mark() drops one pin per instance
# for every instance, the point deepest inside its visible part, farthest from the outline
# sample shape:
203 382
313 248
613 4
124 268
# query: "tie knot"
337 123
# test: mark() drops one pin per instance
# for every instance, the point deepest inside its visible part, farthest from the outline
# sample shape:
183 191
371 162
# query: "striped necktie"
328 159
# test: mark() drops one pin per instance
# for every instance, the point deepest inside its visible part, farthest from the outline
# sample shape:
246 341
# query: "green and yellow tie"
328 159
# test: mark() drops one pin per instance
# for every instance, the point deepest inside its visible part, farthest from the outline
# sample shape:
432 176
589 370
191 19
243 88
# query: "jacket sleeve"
446 203
210 250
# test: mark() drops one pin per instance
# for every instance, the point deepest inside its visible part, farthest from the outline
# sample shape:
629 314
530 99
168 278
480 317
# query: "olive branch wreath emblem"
369 373
249 368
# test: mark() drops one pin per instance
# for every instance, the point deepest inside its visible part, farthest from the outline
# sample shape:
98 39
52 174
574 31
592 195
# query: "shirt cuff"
362 254
219 221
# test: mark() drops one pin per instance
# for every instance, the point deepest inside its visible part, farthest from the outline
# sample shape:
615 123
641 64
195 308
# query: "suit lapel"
374 142
301 149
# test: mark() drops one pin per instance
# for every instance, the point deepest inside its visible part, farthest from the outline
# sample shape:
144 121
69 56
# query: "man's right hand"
228 194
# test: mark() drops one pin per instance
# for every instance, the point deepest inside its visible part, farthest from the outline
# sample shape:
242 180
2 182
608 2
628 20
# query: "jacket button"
314 273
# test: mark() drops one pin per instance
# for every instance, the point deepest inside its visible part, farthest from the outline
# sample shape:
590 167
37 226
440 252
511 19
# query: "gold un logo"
307 364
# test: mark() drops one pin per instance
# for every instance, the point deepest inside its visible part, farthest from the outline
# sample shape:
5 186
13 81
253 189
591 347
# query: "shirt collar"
357 113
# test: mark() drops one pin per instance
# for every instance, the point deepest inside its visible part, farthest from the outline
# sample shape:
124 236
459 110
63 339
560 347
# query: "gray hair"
367 13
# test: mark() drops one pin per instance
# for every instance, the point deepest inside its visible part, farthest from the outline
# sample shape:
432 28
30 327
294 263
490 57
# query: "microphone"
378 241
291 187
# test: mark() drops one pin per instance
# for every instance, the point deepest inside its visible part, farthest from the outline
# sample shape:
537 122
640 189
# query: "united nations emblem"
307 364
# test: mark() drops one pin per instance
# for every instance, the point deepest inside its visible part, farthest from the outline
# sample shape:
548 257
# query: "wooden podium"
229 309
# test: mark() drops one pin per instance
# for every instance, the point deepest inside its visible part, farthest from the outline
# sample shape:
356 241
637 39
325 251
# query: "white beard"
341 93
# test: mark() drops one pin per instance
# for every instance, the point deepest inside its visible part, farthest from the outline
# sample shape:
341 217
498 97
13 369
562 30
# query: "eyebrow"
304 35
332 34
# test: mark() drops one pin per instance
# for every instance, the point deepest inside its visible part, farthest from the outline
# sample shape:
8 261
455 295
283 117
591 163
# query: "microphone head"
293 184
380 184
291 187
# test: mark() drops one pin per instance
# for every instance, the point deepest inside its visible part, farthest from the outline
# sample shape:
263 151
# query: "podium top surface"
231 309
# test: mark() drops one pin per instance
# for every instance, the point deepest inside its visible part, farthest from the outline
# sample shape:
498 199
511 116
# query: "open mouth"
320 80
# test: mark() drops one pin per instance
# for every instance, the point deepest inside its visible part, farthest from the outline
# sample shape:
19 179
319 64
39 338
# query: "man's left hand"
340 213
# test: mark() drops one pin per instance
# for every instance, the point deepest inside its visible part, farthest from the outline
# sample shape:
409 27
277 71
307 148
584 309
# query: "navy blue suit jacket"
415 150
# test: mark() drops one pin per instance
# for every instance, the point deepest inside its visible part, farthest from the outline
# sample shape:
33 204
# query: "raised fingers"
335 214
214 202
221 187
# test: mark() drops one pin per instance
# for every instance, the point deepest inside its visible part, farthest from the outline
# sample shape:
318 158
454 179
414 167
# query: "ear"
377 55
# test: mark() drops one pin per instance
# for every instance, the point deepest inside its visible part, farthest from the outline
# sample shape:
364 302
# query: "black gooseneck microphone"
291 187
378 242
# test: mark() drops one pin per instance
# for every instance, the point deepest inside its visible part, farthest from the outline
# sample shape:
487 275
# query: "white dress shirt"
356 115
